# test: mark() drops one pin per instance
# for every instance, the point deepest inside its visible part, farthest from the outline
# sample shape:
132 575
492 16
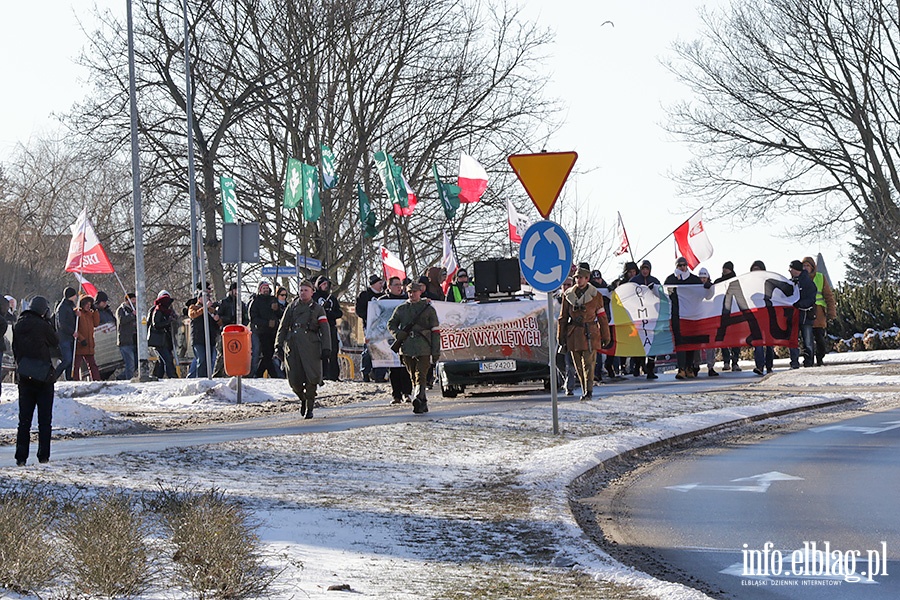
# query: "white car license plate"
497 365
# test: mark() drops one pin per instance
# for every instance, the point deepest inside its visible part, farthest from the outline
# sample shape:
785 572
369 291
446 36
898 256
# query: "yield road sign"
543 176
545 256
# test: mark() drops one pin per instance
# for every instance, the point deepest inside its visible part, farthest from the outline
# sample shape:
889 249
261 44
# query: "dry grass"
106 548
217 552
27 557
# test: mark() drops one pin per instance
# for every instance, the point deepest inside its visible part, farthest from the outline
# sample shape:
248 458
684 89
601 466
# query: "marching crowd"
584 331
299 340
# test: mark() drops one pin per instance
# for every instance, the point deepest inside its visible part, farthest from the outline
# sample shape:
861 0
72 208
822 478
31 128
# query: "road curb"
584 516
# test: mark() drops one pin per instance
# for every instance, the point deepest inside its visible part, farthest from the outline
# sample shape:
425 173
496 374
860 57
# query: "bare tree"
797 111
421 79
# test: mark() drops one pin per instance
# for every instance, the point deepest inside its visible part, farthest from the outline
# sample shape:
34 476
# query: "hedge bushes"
874 306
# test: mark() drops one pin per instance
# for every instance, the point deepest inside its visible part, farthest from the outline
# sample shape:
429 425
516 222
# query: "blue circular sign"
545 256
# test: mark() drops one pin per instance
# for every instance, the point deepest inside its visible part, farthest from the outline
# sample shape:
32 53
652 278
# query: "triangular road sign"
543 176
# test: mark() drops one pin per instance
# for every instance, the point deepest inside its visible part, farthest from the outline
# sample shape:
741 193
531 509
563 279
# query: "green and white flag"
312 207
229 199
302 186
329 175
366 214
392 177
448 193
293 184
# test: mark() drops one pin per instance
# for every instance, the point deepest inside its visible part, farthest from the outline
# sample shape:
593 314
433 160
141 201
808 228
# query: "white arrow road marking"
529 250
761 484
858 429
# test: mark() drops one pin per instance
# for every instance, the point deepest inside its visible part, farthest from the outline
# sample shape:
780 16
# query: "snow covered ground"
469 501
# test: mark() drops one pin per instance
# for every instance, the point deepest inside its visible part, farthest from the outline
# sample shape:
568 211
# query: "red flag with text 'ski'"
693 243
86 254
393 266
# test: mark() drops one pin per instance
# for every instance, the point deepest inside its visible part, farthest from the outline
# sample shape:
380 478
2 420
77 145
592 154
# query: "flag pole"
625 233
646 254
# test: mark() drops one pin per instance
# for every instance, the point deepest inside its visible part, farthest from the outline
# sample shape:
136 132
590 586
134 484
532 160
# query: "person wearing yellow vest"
825 308
461 290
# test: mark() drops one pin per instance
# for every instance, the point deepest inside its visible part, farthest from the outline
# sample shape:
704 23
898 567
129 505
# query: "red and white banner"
470 331
411 200
86 255
754 309
692 241
393 266
448 263
472 181
518 223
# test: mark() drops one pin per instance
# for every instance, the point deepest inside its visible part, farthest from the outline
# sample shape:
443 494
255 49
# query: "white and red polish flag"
86 254
448 262
89 288
411 199
518 223
693 243
393 266
472 181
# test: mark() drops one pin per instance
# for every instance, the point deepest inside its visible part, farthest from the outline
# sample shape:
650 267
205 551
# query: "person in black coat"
65 328
807 306
331 368
730 356
35 338
683 276
161 323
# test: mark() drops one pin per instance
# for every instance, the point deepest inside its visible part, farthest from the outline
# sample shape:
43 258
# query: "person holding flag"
88 319
65 328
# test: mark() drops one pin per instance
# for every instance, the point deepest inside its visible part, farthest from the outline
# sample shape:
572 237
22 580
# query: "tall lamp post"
139 279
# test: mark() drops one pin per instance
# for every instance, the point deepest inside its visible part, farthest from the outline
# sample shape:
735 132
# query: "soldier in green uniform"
415 324
303 339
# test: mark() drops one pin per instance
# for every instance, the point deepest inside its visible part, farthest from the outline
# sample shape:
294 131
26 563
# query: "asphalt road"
705 517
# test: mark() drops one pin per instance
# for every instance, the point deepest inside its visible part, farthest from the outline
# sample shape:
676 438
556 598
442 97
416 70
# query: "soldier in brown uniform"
415 325
302 340
583 328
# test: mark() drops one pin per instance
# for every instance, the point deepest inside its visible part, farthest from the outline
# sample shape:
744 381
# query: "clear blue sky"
609 77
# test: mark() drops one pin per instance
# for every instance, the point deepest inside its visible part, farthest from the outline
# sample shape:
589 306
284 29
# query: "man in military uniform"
302 341
415 325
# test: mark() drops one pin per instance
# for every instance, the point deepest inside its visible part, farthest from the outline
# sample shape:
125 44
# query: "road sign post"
545 256
545 253
240 244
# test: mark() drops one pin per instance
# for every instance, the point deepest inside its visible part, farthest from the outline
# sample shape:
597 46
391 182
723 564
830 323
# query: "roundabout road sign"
545 256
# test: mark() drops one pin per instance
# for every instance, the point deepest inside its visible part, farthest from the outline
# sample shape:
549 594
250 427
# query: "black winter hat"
233 286
631 265
373 279
758 265
39 305
102 297
796 265
69 292
321 279
728 265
